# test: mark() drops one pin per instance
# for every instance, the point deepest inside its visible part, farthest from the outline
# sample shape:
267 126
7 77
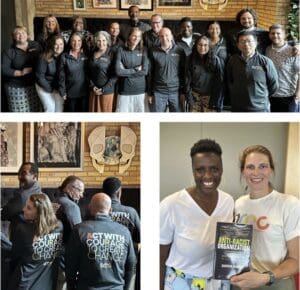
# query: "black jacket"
34 263
101 252
16 204
68 212
47 74
202 76
102 73
131 80
128 217
73 76
151 39
187 49
251 83
166 73
17 59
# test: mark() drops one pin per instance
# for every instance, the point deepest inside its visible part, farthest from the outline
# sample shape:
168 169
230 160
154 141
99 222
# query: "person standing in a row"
73 76
18 63
131 68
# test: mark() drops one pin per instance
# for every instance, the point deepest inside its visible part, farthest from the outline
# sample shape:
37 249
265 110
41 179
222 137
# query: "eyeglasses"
246 42
156 22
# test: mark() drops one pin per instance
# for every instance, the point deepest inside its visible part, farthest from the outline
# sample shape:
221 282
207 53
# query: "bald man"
166 74
100 253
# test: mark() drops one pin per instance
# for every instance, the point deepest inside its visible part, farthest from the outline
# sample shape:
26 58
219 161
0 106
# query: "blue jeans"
161 101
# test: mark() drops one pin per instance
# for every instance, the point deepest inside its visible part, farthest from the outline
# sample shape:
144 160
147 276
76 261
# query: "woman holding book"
276 222
188 224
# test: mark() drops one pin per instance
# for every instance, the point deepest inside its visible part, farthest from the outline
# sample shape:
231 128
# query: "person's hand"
97 91
64 97
150 100
139 68
250 280
26 70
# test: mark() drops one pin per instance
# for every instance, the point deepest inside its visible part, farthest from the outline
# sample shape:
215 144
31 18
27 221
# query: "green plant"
293 21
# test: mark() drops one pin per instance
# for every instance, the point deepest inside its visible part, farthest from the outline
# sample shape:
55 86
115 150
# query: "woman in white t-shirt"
188 224
276 222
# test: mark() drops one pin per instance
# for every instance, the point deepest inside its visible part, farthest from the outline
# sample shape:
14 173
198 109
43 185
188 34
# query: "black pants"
286 104
76 104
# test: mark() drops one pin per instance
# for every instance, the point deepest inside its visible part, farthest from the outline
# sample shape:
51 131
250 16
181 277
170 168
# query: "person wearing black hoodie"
28 184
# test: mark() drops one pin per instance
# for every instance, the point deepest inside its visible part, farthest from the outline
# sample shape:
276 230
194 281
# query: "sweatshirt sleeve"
130 266
40 74
62 77
7 57
272 77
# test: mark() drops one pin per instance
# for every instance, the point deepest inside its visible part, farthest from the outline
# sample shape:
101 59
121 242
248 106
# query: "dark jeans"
161 101
286 104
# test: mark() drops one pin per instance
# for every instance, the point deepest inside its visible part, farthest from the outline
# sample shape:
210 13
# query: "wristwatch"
272 278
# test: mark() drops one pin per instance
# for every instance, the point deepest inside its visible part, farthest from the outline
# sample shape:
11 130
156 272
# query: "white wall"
176 140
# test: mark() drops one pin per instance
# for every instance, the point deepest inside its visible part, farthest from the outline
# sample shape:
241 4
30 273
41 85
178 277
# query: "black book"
232 249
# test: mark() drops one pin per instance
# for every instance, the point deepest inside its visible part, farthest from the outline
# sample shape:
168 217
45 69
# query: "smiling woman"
184 213
276 220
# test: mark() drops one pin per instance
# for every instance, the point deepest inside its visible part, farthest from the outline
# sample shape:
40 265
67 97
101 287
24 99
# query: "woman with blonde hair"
102 78
276 225
36 246
18 63
50 29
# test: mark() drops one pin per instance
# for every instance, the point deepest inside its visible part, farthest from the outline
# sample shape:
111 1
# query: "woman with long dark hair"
47 76
36 247
204 67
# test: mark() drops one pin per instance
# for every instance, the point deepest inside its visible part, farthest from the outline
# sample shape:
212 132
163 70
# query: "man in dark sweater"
122 214
134 14
166 74
100 252
28 184
151 37
251 77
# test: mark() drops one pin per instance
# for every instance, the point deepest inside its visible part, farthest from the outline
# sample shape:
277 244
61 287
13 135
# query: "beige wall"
176 139
292 173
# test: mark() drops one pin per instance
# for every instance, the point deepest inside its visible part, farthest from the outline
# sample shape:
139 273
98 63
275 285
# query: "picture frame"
11 147
79 4
57 146
174 3
146 5
105 4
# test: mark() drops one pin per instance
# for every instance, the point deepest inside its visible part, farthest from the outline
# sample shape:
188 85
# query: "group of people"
188 221
137 67
67 243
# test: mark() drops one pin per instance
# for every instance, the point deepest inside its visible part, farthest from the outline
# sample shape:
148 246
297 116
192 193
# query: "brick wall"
91 177
269 11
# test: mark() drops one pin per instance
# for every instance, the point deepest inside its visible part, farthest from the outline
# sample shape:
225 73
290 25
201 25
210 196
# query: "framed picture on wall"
142 4
174 3
79 4
11 147
105 3
57 146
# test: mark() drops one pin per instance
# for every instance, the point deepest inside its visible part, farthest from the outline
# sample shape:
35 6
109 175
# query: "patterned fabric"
176 280
24 99
201 103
